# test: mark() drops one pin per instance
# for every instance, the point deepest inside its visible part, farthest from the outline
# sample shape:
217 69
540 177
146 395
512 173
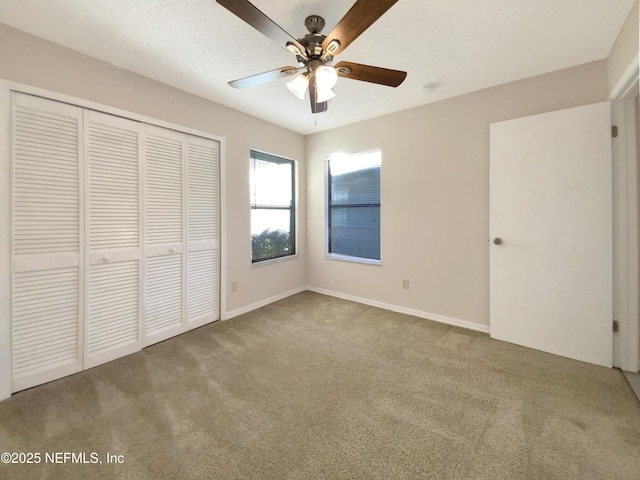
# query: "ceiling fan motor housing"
314 23
312 42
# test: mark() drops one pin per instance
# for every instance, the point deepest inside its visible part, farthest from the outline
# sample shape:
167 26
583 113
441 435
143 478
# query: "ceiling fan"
314 51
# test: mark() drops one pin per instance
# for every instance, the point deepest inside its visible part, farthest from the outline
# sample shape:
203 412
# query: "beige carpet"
317 387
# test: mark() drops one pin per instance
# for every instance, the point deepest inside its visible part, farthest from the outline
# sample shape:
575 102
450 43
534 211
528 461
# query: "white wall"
435 193
625 48
29 60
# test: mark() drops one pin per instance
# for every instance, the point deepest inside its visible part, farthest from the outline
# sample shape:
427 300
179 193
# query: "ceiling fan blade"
367 73
246 11
265 77
361 16
316 107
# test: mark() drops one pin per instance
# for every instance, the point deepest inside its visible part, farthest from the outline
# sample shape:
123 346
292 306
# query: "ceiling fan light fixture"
298 86
326 77
324 94
293 48
333 45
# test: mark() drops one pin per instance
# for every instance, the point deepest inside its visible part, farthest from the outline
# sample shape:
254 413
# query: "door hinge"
616 326
614 131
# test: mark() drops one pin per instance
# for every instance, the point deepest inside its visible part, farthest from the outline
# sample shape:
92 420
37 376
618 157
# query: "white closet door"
46 221
164 232
114 246
203 231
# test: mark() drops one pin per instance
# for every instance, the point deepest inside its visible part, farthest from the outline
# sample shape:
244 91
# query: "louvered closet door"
203 231
164 234
113 232
47 267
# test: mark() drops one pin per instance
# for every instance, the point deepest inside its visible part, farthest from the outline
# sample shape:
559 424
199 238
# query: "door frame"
5 245
626 264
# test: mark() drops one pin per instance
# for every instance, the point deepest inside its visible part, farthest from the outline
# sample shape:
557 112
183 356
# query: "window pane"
355 232
271 183
272 206
272 237
360 187
354 206
265 219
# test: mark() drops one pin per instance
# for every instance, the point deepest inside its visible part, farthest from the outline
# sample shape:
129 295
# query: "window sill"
274 260
345 258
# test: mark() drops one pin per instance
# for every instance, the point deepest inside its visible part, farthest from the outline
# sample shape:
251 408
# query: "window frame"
327 222
293 223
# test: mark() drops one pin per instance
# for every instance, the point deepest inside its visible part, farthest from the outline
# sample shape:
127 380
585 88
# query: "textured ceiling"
457 45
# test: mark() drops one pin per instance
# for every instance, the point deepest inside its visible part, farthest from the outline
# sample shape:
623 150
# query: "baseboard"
366 301
408 311
261 303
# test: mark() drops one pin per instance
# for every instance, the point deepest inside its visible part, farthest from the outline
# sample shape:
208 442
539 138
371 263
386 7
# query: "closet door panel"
45 326
114 305
114 208
163 186
46 225
164 234
203 232
113 311
203 287
164 298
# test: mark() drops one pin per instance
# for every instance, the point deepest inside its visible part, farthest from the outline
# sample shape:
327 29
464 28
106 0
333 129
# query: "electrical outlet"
405 283
234 286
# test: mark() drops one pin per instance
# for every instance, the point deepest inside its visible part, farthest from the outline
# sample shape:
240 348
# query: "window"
353 207
272 207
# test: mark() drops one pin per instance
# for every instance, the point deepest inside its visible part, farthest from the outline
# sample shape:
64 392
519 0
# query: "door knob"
497 241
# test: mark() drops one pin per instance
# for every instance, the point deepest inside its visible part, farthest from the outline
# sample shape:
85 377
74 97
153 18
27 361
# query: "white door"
113 231
203 231
164 234
47 266
551 207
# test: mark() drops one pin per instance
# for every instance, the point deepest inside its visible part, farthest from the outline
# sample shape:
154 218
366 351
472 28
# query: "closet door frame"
6 87
6 269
